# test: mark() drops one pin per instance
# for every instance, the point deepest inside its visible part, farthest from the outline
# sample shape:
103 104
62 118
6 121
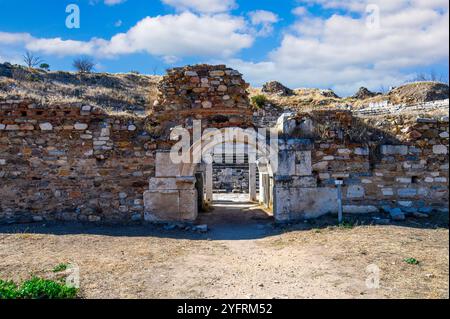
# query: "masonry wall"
403 170
72 163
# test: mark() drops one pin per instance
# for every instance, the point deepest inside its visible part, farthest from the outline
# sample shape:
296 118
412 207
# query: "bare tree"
83 65
430 76
31 60
383 89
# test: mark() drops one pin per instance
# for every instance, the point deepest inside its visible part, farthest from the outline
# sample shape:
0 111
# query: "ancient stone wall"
72 162
79 163
400 174
214 95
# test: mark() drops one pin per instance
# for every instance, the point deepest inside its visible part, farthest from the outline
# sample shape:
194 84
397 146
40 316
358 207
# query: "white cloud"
60 47
114 2
182 35
14 38
300 11
340 52
264 19
170 36
202 6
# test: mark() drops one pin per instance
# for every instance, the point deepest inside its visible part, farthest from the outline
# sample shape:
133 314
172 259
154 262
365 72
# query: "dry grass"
118 92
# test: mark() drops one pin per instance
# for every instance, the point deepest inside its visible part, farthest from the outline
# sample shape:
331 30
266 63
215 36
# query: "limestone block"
12 127
394 149
207 105
404 180
298 203
286 163
407 192
46 126
345 151
362 151
170 205
165 166
440 149
80 126
355 191
321 166
172 183
360 209
304 165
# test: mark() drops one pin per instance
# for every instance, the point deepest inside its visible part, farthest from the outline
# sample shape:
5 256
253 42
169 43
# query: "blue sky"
303 43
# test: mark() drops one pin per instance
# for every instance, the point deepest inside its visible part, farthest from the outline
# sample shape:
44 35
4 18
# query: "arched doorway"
180 190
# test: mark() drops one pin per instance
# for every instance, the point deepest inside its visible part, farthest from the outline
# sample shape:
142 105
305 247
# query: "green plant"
411 261
60 268
45 66
259 100
346 225
37 288
8 290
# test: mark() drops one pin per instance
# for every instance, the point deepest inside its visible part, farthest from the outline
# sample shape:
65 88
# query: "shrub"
60 267
37 288
45 66
8 290
259 100
411 261
83 65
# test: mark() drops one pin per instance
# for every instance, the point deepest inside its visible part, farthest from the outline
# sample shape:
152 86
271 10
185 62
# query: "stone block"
80 126
404 180
46 126
165 166
360 209
355 191
362 151
303 166
170 205
407 192
440 149
172 183
299 203
286 163
394 150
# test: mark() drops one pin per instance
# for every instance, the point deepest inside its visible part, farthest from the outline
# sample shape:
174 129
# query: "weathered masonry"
79 163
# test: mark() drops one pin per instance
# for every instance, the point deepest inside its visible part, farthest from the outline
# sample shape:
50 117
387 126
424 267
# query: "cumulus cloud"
342 53
202 6
170 36
265 20
300 11
182 35
14 38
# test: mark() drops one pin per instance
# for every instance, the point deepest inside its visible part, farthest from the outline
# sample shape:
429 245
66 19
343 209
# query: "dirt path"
248 260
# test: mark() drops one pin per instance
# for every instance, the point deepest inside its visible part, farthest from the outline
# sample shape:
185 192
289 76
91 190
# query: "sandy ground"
243 256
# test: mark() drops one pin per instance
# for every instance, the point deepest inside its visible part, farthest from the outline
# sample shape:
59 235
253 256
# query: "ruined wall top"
202 87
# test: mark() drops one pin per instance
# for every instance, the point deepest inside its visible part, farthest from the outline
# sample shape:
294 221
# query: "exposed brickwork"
71 163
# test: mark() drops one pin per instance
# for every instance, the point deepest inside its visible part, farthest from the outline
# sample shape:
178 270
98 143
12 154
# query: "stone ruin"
74 162
274 87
